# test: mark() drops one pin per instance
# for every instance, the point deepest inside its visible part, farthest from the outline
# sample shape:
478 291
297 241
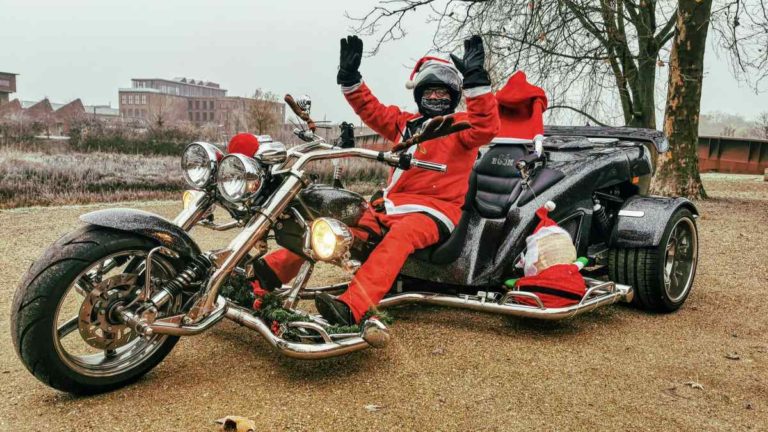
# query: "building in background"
162 101
7 86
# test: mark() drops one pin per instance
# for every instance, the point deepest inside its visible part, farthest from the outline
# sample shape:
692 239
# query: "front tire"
661 276
52 284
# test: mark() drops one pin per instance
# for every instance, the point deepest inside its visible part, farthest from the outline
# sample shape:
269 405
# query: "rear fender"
641 220
146 224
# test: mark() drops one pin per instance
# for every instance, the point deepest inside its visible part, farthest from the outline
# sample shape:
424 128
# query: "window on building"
144 113
197 116
197 104
205 116
143 99
189 107
190 115
124 99
210 116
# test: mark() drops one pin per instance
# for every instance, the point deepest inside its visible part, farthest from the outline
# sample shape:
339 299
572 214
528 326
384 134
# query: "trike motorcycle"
108 301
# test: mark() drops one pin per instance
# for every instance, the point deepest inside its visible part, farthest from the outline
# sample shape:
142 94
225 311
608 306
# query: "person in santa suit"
418 207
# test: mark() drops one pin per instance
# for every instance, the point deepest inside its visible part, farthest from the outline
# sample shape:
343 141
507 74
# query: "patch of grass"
39 179
45 178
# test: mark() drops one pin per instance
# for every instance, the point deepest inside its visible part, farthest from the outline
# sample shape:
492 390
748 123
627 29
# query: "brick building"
162 101
7 86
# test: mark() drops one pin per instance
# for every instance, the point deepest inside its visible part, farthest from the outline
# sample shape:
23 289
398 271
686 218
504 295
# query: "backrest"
495 182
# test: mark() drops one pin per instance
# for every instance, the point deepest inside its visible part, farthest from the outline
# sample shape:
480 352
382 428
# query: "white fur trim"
392 209
509 140
350 89
410 85
549 205
476 91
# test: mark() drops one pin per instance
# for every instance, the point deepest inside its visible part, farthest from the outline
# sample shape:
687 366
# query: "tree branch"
598 122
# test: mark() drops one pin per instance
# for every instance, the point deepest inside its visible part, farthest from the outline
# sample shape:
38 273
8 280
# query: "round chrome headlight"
240 177
199 164
330 239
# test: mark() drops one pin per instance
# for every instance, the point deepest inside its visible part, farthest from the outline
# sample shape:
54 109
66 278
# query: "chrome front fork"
254 232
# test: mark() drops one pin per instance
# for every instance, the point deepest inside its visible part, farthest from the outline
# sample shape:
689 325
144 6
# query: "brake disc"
96 322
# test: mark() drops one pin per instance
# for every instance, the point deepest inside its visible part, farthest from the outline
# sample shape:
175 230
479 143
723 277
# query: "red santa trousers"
406 233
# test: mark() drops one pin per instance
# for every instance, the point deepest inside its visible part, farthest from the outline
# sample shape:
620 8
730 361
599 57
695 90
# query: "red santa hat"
243 143
543 214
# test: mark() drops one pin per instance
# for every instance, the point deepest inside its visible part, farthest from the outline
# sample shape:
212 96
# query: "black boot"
334 311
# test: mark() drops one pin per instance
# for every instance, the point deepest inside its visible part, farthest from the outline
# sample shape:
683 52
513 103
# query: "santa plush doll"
550 265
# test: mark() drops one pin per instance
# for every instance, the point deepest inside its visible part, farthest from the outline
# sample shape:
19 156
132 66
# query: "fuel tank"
323 200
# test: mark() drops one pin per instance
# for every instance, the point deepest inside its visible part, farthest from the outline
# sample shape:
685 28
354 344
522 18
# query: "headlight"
240 177
330 239
199 164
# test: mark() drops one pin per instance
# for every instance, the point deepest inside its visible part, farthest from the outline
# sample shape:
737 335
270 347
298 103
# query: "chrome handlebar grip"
432 166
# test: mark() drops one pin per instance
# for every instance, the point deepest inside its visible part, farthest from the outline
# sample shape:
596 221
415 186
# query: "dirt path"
614 369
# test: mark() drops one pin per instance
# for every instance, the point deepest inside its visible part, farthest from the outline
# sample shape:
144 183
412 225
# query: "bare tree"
264 112
598 58
761 126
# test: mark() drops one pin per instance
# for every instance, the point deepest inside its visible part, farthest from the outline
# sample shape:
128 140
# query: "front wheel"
63 321
661 276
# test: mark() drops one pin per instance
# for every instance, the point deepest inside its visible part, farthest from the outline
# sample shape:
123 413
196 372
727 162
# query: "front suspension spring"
194 272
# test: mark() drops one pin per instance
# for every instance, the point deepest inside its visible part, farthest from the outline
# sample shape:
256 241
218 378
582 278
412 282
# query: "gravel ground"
613 369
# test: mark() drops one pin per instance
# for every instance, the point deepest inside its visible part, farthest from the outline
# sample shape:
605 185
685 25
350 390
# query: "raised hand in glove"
349 61
472 67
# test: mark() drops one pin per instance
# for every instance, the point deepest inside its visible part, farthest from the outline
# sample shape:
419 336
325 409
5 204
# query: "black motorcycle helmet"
435 72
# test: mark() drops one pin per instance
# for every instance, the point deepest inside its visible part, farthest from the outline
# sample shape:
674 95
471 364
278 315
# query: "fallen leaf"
373 407
733 356
694 385
438 351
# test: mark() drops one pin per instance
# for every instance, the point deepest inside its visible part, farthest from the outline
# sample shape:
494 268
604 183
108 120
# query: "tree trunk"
678 169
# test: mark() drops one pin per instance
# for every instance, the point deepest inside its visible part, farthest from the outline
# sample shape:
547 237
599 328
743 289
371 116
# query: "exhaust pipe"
374 334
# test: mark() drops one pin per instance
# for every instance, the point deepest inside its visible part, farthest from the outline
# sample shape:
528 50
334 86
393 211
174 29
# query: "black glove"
349 61
473 65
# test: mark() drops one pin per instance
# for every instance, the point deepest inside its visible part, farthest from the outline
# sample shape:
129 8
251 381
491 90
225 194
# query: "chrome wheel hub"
680 259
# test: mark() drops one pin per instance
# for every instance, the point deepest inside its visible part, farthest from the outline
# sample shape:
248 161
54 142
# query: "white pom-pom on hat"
410 84
549 205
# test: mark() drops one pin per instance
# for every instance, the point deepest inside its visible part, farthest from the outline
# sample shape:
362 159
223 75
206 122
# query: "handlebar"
319 150
432 166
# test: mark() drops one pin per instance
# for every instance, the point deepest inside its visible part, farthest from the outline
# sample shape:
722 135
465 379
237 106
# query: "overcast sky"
89 49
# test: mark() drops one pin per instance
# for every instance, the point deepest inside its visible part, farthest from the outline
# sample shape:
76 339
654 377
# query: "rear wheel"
661 276
64 324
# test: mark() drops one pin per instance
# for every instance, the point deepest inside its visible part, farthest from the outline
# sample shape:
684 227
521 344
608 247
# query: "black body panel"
491 234
325 200
146 224
633 230
653 136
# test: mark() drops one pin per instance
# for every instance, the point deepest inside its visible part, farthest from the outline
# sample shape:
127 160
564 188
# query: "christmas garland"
269 307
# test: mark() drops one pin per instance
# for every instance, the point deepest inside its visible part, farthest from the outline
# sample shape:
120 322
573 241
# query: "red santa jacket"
439 194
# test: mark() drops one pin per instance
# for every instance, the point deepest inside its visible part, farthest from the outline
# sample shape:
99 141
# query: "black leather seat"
494 185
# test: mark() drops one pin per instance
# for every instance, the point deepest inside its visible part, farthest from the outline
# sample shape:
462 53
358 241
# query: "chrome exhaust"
374 334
